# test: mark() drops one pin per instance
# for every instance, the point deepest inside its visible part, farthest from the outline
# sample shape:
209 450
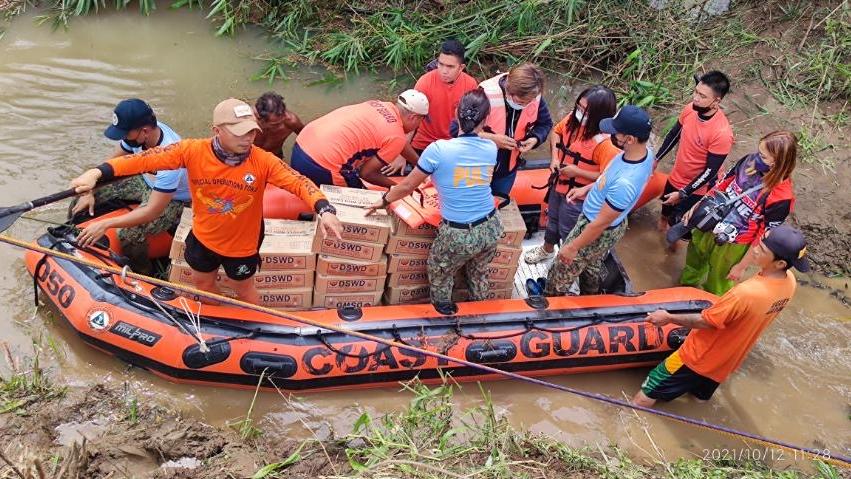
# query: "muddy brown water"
56 95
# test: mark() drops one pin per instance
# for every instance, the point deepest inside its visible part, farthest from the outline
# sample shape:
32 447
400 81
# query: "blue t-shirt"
166 181
619 185
461 169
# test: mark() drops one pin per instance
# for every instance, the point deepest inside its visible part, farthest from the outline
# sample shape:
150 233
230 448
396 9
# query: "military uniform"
588 264
454 248
133 240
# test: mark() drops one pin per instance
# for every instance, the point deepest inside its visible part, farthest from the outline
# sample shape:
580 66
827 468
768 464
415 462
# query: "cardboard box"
495 272
416 278
513 225
272 279
292 299
296 298
287 245
369 252
331 266
425 230
272 227
464 295
361 228
333 301
341 285
340 195
507 257
409 246
407 264
401 295
178 245
285 252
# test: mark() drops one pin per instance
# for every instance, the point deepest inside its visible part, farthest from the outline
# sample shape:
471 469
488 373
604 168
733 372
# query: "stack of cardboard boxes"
408 250
288 255
355 270
503 267
352 271
409 247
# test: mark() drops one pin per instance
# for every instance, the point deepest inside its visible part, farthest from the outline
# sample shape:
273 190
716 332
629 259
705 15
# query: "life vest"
496 119
580 153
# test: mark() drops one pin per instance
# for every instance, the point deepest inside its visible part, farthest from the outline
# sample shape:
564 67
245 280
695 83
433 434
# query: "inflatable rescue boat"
154 328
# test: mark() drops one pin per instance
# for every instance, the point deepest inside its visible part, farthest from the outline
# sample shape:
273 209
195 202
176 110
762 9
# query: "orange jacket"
227 201
496 118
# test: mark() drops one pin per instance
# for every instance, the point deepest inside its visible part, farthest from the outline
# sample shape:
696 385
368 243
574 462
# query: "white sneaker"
538 254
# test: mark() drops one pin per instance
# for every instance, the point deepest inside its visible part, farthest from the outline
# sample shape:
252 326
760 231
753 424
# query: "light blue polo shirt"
166 181
461 169
619 185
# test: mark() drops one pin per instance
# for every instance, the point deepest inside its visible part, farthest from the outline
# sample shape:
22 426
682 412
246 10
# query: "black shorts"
674 213
671 379
200 258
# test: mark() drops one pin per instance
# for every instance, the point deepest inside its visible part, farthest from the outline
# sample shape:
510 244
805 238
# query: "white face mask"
512 104
580 117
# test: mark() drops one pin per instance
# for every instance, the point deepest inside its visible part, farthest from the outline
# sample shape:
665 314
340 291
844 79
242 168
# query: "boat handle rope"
327 344
816 454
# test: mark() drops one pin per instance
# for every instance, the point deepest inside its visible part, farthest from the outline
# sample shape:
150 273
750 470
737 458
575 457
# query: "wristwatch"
384 202
329 208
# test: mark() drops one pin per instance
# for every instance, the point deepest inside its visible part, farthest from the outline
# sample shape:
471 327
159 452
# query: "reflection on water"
57 91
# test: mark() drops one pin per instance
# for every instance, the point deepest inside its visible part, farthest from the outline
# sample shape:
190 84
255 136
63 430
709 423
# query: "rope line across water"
816 454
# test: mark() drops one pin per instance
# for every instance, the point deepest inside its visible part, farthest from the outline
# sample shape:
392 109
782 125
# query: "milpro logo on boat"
135 333
98 320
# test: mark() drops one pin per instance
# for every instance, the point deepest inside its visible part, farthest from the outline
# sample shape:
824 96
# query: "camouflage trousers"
456 248
587 267
134 240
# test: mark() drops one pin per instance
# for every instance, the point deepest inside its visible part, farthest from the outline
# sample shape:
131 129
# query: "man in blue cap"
722 335
607 203
161 197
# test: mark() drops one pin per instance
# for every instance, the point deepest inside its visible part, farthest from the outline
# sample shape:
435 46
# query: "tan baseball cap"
414 101
235 115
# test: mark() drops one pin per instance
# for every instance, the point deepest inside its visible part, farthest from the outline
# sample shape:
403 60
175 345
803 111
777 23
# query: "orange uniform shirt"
227 201
443 101
348 136
740 316
697 138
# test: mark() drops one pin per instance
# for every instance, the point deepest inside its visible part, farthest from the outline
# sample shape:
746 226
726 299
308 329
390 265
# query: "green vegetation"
647 55
431 438
27 384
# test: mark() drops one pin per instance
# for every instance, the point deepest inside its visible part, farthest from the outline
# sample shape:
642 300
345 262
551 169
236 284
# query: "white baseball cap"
414 101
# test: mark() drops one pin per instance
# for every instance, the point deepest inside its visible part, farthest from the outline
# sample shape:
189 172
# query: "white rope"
195 321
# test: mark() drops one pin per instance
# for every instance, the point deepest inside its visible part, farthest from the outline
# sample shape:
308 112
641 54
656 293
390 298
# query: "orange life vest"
579 152
496 119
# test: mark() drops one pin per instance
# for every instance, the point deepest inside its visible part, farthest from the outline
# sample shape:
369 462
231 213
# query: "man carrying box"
227 178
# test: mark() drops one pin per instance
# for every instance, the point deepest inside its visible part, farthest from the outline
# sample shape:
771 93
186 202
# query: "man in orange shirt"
705 139
227 178
354 142
723 334
444 86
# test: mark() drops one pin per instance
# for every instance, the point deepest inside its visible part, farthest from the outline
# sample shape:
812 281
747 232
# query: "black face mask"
132 143
701 110
615 142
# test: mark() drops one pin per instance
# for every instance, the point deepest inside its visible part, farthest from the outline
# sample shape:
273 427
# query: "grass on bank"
647 55
431 438
26 383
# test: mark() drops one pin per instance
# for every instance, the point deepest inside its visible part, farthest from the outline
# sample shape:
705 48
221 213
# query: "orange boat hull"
572 335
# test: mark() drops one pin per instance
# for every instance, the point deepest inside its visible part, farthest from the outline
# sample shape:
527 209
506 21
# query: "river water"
57 91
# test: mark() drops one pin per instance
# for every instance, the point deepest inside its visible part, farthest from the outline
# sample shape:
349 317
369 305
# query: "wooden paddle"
10 214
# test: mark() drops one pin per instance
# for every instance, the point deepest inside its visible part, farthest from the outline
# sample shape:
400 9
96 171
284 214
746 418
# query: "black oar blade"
8 216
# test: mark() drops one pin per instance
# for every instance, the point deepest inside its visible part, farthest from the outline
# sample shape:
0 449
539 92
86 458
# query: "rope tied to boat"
195 321
798 450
